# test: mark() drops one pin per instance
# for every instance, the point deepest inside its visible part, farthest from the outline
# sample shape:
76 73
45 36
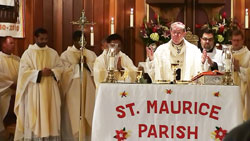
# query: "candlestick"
147 12
91 36
112 26
132 17
246 19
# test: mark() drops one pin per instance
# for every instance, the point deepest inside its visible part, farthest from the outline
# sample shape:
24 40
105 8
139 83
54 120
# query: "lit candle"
147 12
246 19
112 26
91 36
132 17
224 21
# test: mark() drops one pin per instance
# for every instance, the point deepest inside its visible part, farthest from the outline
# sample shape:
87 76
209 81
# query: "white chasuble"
101 68
189 59
71 90
38 104
9 65
216 56
242 79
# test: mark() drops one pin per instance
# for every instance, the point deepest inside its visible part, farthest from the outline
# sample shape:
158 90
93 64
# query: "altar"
160 112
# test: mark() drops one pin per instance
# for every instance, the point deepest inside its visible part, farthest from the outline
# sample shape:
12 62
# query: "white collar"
6 55
36 47
73 48
243 49
178 49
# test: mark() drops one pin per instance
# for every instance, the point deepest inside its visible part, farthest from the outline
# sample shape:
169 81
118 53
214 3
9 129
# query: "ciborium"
174 67
228 65
111 63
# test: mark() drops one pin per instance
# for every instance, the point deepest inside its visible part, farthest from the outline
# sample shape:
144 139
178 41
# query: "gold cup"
138 76
124 74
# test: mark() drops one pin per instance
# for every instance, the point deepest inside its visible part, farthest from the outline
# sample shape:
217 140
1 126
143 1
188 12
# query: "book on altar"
209 78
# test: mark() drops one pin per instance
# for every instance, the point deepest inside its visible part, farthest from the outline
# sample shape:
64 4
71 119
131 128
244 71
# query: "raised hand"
204 56
150 53
210 61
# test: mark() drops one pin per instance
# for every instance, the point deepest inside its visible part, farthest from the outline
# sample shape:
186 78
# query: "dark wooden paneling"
57 25
189 14
211 1
140 52
48 19
106 17
38 14
165 1
247 38
67 26
129 32
77 9
120 22
239 9
99 27
88 13
22 44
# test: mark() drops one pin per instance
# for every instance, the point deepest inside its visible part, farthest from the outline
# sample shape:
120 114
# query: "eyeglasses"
207 39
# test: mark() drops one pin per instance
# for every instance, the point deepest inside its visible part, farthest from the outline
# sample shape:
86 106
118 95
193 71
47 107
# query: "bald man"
9 65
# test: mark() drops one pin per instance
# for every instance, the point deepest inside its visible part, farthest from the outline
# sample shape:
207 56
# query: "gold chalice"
138 76
124 74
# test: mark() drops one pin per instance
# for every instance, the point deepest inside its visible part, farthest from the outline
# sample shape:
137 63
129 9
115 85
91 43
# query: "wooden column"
67 26
57 25
129 33
189 14
239 6
131 44
22 44
140 54
48 19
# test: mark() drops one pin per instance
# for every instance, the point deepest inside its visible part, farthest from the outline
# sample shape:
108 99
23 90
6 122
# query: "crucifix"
82 22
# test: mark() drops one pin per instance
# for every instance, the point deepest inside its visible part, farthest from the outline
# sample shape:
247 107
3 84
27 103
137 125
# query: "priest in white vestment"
241 74
71 91
38 100
122 63
176 51
9 65
211 56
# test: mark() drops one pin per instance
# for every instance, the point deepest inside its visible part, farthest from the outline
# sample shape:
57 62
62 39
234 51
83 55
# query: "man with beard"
38 100
211 56
71 91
